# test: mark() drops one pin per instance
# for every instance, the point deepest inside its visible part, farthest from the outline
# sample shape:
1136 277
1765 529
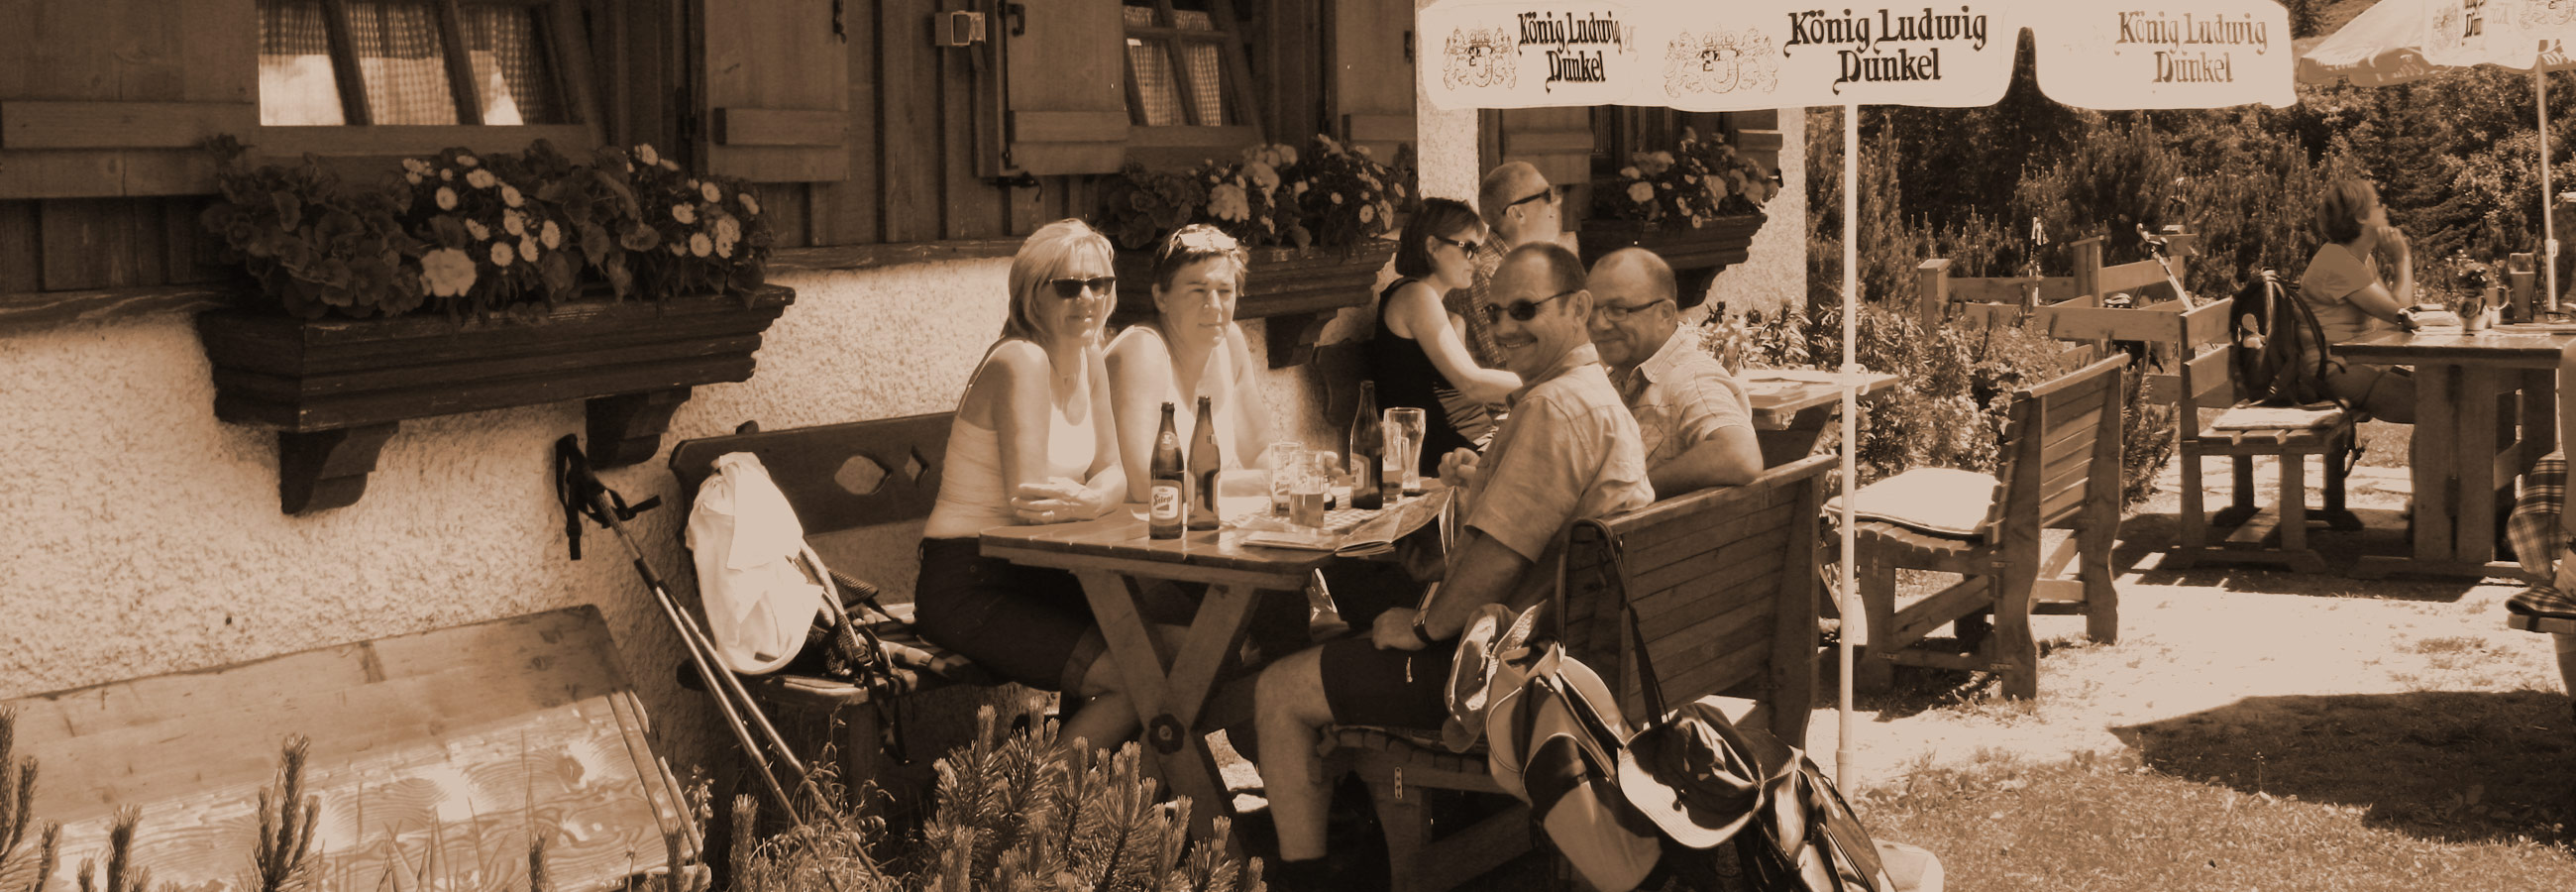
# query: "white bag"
747 544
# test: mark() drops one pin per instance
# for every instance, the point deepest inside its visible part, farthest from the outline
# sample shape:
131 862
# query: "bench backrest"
2205 378
1724 582
848 476
2061 449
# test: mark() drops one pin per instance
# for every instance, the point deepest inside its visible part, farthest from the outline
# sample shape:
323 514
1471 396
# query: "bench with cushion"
853 485
1724 582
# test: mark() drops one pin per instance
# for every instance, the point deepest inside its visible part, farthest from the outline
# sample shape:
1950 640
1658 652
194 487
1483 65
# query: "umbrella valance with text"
1520 54
1790 53
2190 54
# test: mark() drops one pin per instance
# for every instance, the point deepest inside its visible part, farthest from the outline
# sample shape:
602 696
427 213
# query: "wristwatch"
1422 632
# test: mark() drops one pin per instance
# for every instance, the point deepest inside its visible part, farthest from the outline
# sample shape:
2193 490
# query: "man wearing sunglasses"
1568 451
1696 420
1520 207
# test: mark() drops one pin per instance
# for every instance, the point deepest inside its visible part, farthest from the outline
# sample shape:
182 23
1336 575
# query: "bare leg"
1289 707
2566 660
1107 717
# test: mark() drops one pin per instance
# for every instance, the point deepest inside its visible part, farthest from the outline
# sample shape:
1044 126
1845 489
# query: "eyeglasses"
1611 312
1469 245
1073 288
1549 192
1519 310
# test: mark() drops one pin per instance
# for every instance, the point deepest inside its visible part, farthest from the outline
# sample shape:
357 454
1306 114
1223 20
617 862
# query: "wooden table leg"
2436 429
2539 416
1168 702
2473 471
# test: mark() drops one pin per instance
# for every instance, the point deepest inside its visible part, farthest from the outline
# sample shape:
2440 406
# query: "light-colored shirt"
1682 397
1569 451
2327 287
971 499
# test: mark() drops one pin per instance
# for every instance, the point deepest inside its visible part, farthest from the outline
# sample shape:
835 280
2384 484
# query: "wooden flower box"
1696 255
1297 289
336 389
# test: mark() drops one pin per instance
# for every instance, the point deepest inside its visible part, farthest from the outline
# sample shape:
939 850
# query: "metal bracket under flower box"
1297 289
336 389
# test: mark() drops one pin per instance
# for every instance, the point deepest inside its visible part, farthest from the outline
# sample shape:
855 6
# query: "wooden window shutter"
1373 78
777 87
1557 141
112 99
1064 75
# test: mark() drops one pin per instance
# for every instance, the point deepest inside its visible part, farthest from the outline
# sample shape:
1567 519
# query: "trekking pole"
595 500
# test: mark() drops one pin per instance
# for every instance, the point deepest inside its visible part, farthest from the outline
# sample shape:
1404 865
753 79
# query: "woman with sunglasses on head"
1032 443
1419 352
1191 348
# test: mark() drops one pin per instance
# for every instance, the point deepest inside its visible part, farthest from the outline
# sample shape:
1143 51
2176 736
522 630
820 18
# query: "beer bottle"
1367 452
1204 462
1167 506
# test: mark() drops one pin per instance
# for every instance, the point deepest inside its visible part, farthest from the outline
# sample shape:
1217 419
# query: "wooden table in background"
2471 437
1790 416
1115 558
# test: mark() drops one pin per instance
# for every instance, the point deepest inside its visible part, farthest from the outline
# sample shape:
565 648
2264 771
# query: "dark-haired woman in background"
1419 353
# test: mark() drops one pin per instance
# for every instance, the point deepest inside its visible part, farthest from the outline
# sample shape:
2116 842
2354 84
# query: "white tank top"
1185 415
971 499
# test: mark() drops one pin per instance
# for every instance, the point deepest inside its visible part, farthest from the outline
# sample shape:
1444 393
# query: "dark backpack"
2281 355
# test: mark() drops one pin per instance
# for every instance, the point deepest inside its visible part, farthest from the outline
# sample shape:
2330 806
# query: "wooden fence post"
2088 268
1932 287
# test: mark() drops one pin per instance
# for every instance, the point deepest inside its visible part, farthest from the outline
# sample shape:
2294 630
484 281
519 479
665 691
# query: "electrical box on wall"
957 28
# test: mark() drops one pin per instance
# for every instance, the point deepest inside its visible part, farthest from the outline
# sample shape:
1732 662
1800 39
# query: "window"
1186 74
409 62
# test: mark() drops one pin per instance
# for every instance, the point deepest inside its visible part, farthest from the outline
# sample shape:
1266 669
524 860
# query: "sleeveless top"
971 499
1406 377
1185 414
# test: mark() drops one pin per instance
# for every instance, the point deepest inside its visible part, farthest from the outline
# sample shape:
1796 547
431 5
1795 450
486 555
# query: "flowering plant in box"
315 243
1345 196
691 233
1686 188
1246 197
492 246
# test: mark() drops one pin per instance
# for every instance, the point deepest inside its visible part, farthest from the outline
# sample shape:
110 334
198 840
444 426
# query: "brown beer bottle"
1204 462
1167 505
1368 451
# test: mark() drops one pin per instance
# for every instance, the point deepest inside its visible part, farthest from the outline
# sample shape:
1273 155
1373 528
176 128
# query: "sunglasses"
1611 312
1549 192
1469 245
1519 310
1073 288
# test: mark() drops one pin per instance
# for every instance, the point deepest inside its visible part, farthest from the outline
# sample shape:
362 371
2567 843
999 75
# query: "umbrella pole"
1846 594
2548 197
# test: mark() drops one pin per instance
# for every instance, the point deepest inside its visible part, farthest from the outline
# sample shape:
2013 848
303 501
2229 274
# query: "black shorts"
1394 688
1031 625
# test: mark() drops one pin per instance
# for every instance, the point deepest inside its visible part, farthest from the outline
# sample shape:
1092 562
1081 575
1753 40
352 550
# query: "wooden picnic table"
2472 436
1116 560
1791 407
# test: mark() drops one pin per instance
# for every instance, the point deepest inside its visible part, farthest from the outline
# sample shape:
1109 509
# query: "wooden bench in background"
861 480
2060 469
1724 580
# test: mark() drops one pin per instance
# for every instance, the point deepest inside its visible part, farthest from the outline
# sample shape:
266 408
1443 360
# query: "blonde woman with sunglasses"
1419 356
1031 443
1190 349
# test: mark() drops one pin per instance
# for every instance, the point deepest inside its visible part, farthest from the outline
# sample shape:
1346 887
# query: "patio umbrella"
2398 41
1765 54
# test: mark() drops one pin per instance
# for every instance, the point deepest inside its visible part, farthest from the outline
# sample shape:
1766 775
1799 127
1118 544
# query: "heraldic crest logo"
1720 62
1482 58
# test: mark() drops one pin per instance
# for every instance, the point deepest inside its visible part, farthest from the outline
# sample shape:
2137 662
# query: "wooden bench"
2060 469
1724 580
2206 379
849 482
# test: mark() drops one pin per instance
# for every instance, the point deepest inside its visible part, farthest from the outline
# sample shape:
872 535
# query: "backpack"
2281 350
761 587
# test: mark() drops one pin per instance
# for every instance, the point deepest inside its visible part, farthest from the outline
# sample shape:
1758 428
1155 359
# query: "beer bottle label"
1166 505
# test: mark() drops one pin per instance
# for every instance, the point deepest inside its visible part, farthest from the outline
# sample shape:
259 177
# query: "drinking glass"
1282 459
1404 428
1310 487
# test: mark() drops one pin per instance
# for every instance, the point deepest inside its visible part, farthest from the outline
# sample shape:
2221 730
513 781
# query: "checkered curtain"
1202 61
403 61
1149 64
511 70
295 81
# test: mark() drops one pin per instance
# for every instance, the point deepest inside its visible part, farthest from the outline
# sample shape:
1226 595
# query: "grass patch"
2000 824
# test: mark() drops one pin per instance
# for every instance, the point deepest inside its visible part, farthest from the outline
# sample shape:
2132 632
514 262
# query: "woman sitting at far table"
2343 285
1192 348
1419 350
1031 444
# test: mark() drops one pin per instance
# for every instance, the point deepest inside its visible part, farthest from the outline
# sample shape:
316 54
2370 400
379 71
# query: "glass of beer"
1282 459
1404 427
1311 487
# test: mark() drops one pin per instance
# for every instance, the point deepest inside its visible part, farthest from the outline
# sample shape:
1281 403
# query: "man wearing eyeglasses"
1696 420
1567 452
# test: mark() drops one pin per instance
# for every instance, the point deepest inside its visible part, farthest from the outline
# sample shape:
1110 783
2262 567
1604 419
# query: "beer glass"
1404 429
